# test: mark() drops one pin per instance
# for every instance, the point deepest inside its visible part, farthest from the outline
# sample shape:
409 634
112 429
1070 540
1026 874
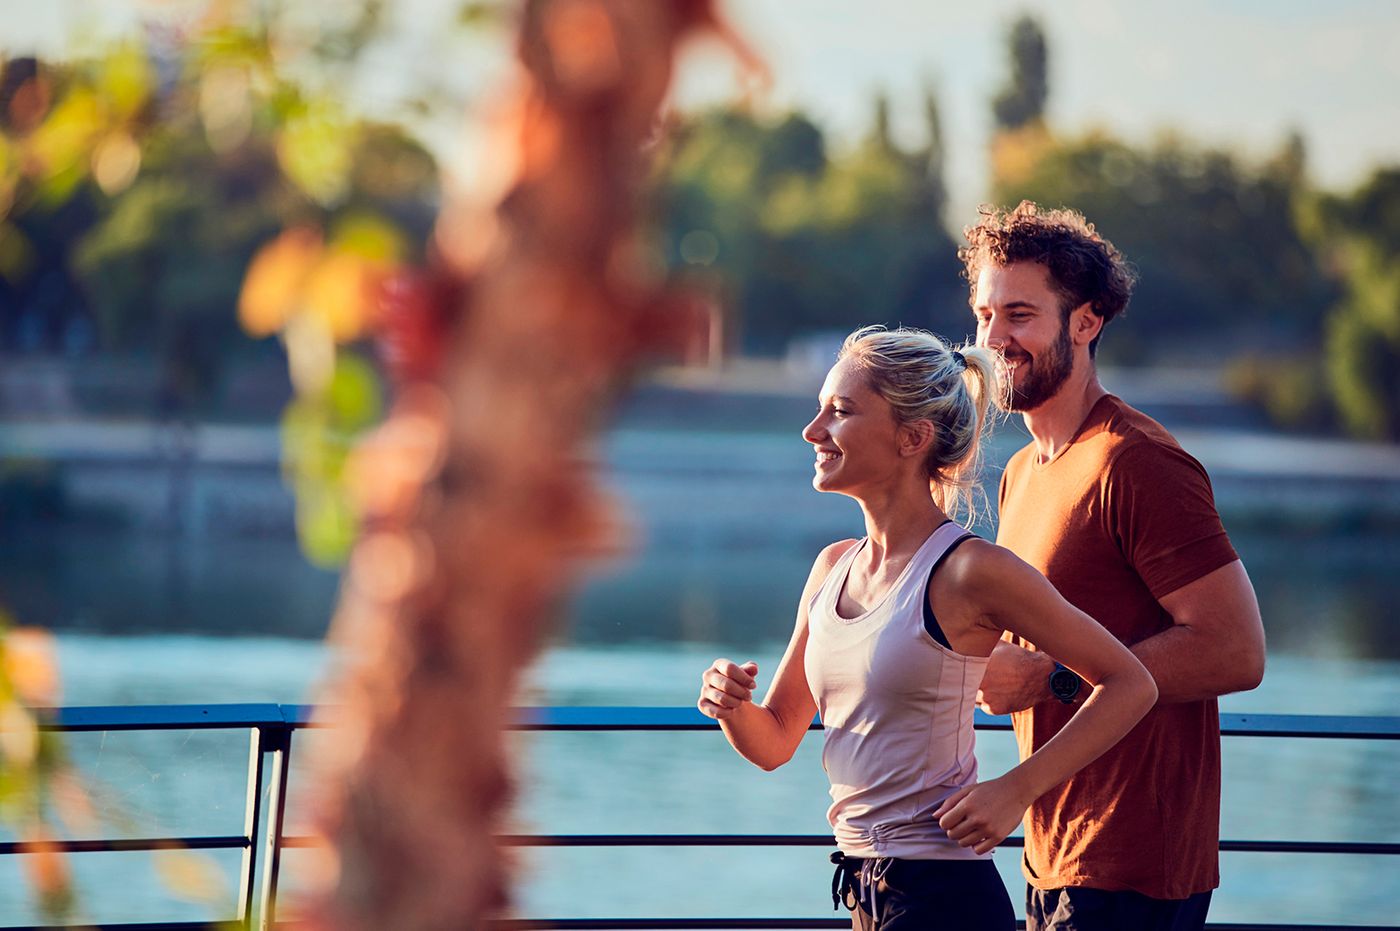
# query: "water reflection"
1322 595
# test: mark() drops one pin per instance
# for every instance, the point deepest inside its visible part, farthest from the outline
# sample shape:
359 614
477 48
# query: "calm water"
724 542
193 782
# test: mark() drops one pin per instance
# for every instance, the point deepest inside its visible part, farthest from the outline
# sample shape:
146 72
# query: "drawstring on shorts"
857 879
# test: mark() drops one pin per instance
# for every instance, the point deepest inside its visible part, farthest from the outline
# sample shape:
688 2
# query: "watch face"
1064 684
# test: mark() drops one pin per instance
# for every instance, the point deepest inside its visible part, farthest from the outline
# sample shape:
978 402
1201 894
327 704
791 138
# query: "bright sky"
1238 72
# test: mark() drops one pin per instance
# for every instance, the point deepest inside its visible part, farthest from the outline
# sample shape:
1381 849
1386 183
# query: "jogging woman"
892 637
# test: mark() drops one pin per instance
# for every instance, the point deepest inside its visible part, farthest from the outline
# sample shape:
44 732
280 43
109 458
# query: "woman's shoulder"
831 554
826 560
977 567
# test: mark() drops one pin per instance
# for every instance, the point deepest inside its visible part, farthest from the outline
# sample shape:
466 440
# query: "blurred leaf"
304 429
62 142
9 175
19 736
354 398
17 257
116 161
48 873
326 524
125 80
340 292
315 150
370 237
483 13
310 353
226 106
30 665
276 279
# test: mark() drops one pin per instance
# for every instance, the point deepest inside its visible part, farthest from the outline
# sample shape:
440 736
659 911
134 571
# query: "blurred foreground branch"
478 492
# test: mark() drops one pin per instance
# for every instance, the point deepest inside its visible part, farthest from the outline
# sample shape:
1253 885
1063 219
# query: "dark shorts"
1078 909
923 895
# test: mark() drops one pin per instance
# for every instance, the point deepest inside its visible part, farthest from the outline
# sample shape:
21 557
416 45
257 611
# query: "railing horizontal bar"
1273 926
642 924
126 844
668 840
160 717
1339 727
652 718
628 718
822 840
308 715
718 924
131 926
1286 846
755 924
664 924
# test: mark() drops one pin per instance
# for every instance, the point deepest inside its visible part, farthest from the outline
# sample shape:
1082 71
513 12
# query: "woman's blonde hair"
924 378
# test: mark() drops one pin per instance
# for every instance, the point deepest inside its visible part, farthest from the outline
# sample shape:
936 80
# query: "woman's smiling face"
855 433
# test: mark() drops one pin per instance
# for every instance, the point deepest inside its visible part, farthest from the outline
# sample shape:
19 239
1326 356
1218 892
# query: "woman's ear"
916 437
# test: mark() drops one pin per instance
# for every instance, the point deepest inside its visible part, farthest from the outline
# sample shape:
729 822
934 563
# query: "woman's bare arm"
1014 596
767 734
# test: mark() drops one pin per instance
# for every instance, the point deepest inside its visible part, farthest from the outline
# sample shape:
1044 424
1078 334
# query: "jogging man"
1122 521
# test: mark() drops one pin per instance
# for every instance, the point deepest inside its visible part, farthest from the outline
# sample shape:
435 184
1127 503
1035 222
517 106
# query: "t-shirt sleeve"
1161 510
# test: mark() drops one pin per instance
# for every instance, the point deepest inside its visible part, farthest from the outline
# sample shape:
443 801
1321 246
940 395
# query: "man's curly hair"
1084 267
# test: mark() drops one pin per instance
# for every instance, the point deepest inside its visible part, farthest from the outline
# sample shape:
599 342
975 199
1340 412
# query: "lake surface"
193 783
725 529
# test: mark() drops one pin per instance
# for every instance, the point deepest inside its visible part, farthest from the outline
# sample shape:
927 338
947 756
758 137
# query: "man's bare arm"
1216 642
1215 646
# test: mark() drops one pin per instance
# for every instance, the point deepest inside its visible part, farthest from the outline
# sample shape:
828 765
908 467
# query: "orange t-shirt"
1117 519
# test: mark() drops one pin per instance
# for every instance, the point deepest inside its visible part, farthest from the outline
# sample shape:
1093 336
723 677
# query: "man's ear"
1084 325
916 437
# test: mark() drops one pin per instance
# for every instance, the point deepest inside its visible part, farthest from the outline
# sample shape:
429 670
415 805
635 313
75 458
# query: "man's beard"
1043 378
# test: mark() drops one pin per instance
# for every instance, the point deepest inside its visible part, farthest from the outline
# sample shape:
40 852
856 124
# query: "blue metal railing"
271 727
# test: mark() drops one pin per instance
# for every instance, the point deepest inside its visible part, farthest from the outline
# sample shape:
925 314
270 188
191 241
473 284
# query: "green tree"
1022 101
152 196
808 241
1360 235
1223 265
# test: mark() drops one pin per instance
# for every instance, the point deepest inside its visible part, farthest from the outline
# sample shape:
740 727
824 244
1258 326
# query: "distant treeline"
1243 262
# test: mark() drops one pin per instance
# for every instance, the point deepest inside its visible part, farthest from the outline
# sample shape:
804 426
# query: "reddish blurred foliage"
415 310
479 494
46 869
25 96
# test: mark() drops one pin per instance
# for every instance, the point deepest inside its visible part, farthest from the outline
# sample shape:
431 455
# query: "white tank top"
896 706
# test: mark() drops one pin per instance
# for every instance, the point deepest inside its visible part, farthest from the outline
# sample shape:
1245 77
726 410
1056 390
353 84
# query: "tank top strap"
825 598
914 583
938 543
914 579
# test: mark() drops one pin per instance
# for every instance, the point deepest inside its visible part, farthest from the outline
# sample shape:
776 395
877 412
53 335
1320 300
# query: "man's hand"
1016 678
725 686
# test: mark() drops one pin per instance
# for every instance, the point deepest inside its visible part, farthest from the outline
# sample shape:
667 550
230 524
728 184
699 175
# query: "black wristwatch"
1064 684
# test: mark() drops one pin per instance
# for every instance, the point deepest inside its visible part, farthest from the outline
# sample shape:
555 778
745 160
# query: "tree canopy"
807 239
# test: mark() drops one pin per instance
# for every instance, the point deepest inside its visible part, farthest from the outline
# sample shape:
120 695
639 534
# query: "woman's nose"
813 431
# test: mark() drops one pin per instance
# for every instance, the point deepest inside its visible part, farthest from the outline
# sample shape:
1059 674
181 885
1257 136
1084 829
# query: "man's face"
1019 314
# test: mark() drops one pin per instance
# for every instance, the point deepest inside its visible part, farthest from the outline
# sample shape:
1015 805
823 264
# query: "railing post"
251 811
278 742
